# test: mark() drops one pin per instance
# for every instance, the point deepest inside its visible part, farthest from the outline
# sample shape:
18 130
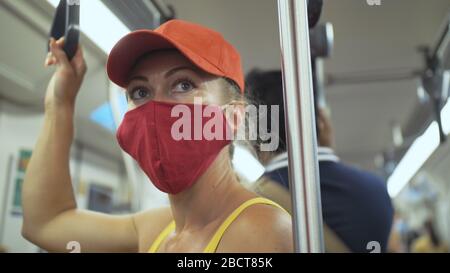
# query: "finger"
78 61
47 59
51 41
58 52
51 61
60 42
79 53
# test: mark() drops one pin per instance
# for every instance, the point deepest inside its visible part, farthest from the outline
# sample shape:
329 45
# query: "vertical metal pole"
300 126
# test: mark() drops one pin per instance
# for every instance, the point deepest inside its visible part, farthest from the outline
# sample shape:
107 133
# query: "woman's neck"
207 201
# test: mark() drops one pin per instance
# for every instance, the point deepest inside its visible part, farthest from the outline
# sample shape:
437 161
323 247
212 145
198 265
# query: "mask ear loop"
228 114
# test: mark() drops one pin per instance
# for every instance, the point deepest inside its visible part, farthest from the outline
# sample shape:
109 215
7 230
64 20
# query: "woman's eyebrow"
138 78
168 74
176 69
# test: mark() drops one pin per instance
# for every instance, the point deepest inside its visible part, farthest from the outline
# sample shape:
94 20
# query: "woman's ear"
235 115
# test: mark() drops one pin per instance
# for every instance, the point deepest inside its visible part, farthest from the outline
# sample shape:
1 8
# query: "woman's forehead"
159 61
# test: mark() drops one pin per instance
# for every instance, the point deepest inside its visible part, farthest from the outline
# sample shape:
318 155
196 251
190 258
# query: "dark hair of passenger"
266 88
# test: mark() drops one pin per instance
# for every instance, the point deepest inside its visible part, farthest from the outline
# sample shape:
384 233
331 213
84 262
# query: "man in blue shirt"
355 203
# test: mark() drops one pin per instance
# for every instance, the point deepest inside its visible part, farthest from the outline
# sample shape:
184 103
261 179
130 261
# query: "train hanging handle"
66 23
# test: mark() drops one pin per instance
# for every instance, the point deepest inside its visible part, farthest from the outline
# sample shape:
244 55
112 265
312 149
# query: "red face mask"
172 143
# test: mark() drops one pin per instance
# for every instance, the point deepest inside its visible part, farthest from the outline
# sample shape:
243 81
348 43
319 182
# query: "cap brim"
129 49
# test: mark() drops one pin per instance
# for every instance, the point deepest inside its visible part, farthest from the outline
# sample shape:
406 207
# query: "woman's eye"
184 86
139 93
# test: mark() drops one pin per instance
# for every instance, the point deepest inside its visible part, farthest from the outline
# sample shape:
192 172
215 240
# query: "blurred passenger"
355 203
397 239
429 241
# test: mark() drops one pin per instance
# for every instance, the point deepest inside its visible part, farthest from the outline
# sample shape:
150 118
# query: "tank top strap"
214 242
167 230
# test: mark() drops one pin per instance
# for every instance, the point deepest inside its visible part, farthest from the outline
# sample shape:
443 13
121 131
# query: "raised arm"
51 218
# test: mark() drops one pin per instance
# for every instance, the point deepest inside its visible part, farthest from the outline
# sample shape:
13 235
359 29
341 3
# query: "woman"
209 210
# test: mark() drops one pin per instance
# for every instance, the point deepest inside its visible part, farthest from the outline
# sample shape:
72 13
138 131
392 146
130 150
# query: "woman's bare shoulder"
149 224
259 228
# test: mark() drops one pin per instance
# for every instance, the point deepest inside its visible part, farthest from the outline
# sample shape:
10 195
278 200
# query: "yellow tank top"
214 242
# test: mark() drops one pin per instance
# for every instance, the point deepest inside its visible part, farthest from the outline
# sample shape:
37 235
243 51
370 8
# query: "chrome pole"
300 126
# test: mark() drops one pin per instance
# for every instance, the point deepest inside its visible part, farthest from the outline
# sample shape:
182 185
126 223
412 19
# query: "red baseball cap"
206 48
